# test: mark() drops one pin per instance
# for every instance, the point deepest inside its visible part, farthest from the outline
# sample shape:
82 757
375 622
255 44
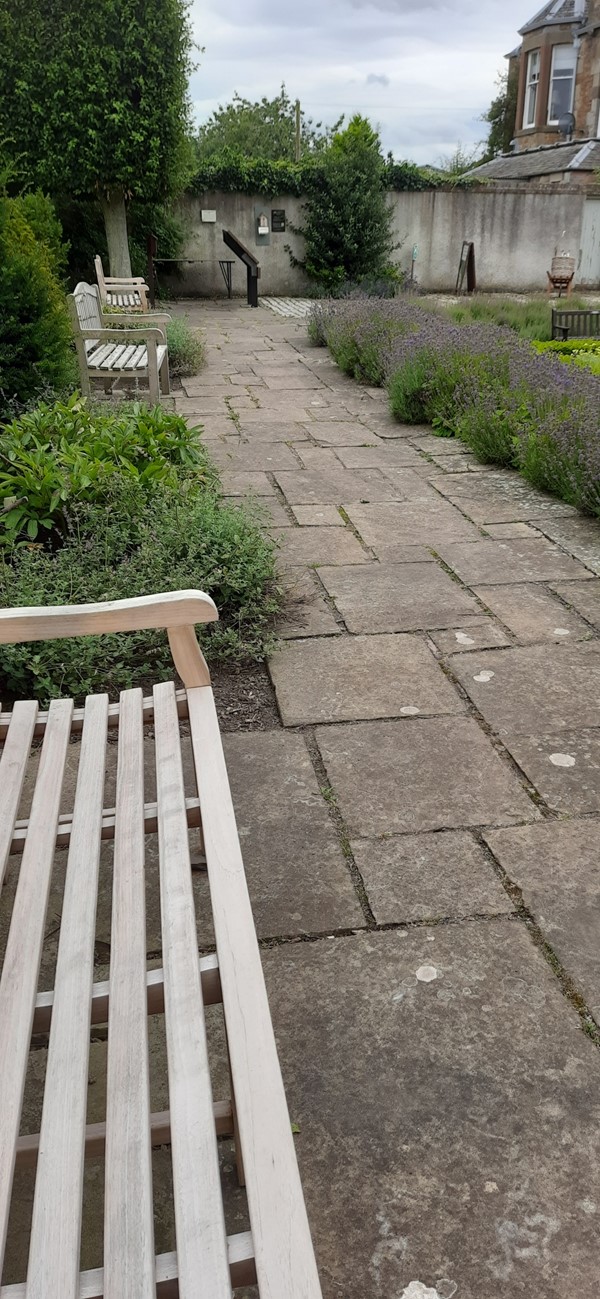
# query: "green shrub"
186 348
531 319
40 213
175 536
36 350
71 451
584 352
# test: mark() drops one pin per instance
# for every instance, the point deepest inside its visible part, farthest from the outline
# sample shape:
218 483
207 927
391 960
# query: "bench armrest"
138 318
177 611
125 280
123 335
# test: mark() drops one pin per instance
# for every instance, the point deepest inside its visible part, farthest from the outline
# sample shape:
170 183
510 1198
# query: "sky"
423 71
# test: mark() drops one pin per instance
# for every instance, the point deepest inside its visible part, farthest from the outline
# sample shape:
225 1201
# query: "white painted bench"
277 1253
132 294
134 349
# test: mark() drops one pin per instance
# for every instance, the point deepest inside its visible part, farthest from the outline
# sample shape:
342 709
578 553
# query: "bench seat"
119 356
134 348
77 745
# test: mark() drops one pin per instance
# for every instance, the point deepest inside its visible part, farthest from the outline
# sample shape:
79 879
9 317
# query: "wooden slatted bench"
132 294
134 349
575 324
277 1253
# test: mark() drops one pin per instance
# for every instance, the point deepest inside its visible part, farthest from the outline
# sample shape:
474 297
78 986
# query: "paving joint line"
341 829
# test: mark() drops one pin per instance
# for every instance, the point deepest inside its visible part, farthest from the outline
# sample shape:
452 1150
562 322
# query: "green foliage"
583 352
67 452
41 215
35 334
173 537
502 113
232 172
530 319
263 129
96 95
455 165
347 221
186 348
83 226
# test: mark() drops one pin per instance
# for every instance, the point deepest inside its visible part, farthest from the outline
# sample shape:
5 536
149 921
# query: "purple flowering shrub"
479 382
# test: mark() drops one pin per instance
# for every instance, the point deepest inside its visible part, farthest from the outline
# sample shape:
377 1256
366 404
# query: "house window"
531 87
562 81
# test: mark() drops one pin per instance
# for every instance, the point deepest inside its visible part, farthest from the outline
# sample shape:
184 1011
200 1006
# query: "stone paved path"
426 816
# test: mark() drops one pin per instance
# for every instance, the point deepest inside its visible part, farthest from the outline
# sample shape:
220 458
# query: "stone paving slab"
382 526
267 509
579 535
396 597
401 777
391 455
340 434
557 867
583 596
564 767
305 612
312 516
445 1126
252 456
354 677
501 562
296 872
334 486
472 634
501 497
262 426
429 876
459 464
426 441
534 688
508 531
532 614
412 486
245 484
306 547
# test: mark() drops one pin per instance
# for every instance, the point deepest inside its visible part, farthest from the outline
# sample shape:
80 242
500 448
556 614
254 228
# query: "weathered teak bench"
277 1253
575 324
129 293
135 350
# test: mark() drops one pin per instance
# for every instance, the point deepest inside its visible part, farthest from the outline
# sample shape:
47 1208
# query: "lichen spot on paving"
484 676
427 973
562 759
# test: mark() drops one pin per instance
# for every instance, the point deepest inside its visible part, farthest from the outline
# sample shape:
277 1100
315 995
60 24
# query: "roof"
581 155
556 11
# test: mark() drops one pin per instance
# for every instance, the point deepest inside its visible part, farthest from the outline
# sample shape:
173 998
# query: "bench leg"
165 381
239 1162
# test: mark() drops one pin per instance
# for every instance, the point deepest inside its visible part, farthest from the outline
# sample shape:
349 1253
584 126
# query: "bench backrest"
100 278
85 307
575 324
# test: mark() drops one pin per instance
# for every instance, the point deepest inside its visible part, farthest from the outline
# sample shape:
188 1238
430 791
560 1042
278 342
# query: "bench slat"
139 354
285 1262
24 946
211 993
199 1217
128 1213
97 354
13 764
91 1284
55 1238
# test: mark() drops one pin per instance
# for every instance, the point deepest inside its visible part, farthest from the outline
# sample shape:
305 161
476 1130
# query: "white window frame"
553 121
531 88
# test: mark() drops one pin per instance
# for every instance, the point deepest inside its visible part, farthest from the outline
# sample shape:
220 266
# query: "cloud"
423 71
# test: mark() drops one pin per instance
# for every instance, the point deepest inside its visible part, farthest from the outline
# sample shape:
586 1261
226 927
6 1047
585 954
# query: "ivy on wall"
231 173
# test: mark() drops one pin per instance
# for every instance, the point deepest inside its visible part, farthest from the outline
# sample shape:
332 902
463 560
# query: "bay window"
562 82
531 88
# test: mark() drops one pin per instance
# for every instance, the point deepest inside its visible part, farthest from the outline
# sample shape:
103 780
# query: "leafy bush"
177 535
70 451
36 349
234 172
583 352
509 404
530 319
347 217
186 348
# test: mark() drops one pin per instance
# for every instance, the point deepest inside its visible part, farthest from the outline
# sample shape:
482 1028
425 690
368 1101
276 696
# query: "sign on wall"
278 221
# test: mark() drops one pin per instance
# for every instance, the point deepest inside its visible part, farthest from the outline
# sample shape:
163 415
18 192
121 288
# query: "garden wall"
515 232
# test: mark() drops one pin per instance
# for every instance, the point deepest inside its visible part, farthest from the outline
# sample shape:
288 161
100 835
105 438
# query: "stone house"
559 73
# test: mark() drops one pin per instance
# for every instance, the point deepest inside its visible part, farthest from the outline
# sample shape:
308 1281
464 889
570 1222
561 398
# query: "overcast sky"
423 70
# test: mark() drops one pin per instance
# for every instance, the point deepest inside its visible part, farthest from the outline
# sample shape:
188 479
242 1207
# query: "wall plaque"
278 221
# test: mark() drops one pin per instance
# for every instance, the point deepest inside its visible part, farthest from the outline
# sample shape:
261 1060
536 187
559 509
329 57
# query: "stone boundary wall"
514 230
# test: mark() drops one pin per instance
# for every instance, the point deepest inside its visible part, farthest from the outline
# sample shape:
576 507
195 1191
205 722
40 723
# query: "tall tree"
263 129
97 101
502 112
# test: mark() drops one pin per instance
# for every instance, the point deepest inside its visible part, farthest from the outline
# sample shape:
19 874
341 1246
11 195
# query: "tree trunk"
115 221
